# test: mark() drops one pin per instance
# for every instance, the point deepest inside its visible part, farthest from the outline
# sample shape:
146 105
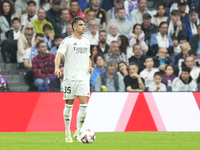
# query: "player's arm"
90 66
57 64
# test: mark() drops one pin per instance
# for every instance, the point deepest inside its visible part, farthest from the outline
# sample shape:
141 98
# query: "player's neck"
77 35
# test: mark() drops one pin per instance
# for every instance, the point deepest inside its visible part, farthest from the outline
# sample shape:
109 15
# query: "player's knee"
69 101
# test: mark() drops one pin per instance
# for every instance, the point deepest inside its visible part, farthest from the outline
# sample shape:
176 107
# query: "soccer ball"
88 136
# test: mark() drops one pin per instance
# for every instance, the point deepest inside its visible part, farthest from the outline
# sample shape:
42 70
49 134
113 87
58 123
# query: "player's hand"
57 72
90 70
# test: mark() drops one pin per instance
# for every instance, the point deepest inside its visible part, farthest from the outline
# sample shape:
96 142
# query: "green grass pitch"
104 141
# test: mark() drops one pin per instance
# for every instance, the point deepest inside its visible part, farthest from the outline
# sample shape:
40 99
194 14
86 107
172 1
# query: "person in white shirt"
184 83
93 34
156 85
113 35
137 14
31 15
124 27
189 62
148 73
77 69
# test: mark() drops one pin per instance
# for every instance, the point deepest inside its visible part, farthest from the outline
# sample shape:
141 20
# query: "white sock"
67 117
81 117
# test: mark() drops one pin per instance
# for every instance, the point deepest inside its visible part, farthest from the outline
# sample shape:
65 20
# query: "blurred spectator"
21 7
168 77
56 85
176 27
113 35
57 41
194 55
45 4
198 83
115 54
137 14
137 37
148 73
30 53
102 46
112 13
93 52
195 42
174 6
9 46
62 24
189 62
177 47
191 23
130 5
90 15
93 34
180 58
83 4
160 16
7 13
109 81
124 27
133 82
167 3
156 85
124 46
98 69
48 36
138 58
41 21
3 83
53 14
122 69
26 40
161 59
43 66
75 11
31 15
107 4
184 83
182 7
69 30
100 13
148 28
161 40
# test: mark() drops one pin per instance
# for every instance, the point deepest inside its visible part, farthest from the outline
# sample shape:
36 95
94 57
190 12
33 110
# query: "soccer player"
77 69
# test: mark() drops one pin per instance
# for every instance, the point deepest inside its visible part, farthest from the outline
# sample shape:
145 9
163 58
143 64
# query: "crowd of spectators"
136 45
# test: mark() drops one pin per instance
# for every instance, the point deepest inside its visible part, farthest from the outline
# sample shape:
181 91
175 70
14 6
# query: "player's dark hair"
39 35
164 22
57 36
104 31
38 44
136 45
47 26
74 1
98 55
76 20
192 52
157 74
16 19
186 69
148 57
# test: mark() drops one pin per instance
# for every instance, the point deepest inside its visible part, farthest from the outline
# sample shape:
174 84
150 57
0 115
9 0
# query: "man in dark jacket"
62 24
53 14
102 46
138 59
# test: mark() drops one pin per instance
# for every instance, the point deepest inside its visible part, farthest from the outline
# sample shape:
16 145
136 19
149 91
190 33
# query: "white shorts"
73 88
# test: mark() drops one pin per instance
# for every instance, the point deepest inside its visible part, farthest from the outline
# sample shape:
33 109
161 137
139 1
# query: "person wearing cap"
174 6
124 27
75 10
53 14
137 14
21 7
184 83
182 7
148 28
161 40
192 22
31 15
176 27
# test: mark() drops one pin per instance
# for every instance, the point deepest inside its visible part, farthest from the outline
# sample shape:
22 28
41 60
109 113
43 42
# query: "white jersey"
76 53
153 87
148 76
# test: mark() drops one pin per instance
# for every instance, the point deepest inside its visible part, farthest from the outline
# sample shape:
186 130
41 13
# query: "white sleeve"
26 54
195 88
175 85
151 88
63 46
